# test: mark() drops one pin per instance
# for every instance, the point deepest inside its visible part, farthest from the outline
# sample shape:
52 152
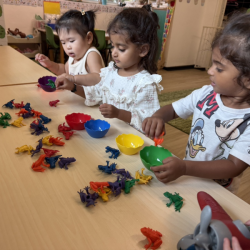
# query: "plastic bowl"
44 81
97 128
153 156
77 120
129 144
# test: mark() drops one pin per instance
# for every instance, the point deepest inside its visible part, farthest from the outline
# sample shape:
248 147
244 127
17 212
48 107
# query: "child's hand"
109 111
65 81
171 169
153 127
43 60
235 244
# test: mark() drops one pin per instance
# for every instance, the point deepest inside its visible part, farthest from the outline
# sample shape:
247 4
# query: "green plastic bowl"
153 156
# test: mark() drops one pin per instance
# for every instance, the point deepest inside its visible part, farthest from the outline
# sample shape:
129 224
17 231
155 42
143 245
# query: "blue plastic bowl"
97 128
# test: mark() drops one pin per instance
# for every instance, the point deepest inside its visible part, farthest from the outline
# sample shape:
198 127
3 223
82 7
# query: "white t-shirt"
216 131
137 93
78 68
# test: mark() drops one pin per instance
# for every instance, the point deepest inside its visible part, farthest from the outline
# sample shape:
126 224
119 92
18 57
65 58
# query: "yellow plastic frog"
24 148
18 123
143 179
46 140
107 192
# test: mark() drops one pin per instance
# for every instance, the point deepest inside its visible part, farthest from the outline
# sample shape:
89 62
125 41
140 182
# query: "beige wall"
23 18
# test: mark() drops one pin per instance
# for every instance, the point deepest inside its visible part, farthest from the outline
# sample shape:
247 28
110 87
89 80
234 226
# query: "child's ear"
144 49
247 83
89 37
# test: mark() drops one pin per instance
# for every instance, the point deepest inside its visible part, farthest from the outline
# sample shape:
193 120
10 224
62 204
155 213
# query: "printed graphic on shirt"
196 138
210 102
230 130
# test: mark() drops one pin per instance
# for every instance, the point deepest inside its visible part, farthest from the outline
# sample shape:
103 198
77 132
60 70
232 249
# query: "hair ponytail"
81 22
90 16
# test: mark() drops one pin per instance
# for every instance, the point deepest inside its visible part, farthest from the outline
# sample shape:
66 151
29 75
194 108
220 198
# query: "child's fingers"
144 124
152 131
59 82
147 126
103 106
226 244
60 85
235 244
248 223
158 168
159 130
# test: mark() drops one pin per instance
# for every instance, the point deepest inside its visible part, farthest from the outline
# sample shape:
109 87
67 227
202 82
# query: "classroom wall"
186 28
23 18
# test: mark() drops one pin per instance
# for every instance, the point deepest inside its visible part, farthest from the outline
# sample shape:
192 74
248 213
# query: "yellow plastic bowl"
129 144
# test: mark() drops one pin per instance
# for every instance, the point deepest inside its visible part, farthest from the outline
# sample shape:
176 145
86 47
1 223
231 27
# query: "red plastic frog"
62 127
53 103
18 105
153 237
160 140
49 152
68 134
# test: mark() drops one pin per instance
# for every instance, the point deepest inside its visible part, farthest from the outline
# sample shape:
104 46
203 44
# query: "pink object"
53 103
77 120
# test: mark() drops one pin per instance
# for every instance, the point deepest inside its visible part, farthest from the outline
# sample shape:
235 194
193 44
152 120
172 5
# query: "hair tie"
83 12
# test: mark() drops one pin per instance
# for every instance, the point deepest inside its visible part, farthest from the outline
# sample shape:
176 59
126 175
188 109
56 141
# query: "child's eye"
219 70
122 50
72 41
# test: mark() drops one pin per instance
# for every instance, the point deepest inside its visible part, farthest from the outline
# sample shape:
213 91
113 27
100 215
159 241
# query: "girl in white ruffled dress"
129 87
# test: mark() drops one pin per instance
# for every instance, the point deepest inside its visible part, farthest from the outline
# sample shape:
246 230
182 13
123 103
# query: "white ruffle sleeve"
94 94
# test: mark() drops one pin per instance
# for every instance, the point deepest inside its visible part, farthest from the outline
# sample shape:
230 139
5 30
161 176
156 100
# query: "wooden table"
18 69
43 210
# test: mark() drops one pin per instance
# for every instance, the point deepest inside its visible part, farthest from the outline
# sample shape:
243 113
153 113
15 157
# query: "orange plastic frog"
160 140
153 237
36 166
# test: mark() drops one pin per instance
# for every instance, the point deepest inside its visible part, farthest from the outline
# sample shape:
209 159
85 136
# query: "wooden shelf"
12 39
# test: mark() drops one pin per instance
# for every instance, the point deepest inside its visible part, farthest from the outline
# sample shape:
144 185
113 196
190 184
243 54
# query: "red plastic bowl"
77 120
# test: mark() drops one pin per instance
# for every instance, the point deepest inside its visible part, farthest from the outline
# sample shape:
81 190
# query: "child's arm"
153 126
93 67
174 168
63 82
110 111
56 68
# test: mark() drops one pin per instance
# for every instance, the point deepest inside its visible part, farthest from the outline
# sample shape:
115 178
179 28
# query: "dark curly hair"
234 45
81 23
140 26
